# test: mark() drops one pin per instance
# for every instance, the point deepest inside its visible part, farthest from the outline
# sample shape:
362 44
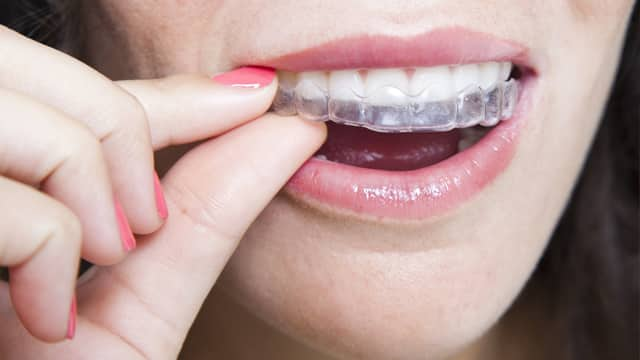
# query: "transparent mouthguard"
405 113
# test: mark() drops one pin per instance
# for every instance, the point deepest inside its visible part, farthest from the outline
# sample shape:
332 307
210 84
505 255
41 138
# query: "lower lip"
417 194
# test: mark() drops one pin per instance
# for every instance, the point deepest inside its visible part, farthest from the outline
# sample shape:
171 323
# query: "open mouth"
407 141
401 119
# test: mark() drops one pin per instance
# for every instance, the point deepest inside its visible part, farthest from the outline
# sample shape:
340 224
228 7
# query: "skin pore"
360 289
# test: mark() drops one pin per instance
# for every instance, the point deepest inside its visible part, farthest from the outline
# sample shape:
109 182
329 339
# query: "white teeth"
505 70
383 86
312 85
489 74
346 85
387 87
436 80
436 98
311 95
464 76
317 78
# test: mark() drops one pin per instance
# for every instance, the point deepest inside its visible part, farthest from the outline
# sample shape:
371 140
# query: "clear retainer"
406 113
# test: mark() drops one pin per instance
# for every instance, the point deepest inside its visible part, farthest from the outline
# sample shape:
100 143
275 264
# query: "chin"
315 278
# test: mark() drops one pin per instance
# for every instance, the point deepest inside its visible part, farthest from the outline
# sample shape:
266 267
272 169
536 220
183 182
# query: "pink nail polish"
252 77
161 204
126 235
71 326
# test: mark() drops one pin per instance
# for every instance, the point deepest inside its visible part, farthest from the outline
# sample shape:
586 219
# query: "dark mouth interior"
396 151
387 151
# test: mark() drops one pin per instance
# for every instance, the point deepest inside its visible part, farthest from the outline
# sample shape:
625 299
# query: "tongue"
387 151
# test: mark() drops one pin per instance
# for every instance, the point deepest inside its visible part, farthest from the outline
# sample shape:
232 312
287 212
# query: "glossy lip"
423 193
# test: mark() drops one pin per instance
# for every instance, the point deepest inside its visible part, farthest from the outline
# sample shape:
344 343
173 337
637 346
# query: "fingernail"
71 326
126 235
252 77
161 204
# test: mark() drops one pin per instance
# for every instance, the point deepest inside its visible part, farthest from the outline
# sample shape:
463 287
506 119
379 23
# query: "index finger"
187 108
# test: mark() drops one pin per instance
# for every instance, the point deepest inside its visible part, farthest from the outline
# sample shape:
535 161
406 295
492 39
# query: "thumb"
214 193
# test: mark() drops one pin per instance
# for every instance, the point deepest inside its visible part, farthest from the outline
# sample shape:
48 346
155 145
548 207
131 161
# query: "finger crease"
172 328
204 214
109 331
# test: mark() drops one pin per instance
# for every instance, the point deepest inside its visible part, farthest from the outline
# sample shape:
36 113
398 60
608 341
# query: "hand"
73 143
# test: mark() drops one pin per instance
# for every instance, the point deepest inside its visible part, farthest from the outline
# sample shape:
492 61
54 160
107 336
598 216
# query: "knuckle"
84 145
64 225
78 150
74 148
128 118
61 225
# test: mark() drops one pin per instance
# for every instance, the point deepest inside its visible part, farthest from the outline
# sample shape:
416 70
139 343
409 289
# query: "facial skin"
356 288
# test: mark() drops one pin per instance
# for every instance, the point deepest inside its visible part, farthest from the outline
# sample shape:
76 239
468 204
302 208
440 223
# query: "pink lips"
432 190
448 46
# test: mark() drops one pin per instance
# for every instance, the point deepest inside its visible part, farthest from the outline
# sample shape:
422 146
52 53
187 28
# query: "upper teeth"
421 99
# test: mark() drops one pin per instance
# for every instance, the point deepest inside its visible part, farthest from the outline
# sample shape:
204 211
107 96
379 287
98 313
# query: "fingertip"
113 249
317 129
247 77
142 215
42 326
43 307
247 85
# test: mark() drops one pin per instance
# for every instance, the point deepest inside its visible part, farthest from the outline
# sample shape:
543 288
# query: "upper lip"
446 46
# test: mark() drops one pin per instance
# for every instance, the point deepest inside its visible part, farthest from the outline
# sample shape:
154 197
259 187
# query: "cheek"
157 38
574 89
595 9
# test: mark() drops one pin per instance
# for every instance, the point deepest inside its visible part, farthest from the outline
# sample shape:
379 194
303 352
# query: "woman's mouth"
400 119
409 142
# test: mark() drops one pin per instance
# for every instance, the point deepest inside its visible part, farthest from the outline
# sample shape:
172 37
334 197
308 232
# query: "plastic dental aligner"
405 113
